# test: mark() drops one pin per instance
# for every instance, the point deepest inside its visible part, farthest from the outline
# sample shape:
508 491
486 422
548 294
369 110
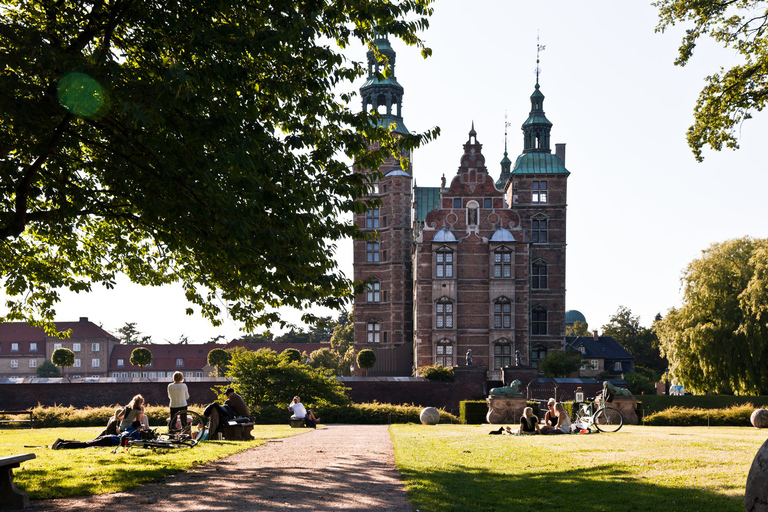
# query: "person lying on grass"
132 432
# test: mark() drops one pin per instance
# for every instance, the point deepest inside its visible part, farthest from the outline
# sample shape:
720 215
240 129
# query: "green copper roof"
537 117
391 81
539 162
387 120
427 199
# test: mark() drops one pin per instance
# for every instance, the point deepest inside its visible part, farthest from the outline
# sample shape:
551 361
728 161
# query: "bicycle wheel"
192 428
608 419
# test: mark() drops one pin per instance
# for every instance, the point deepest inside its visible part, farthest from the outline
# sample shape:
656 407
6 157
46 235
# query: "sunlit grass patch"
65 473
458 468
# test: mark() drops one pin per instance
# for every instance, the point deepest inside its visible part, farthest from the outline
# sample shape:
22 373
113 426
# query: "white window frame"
95 347
121 362
180 362
77 363
76 347
33 346
373 331
95 362
14 363
33 363
373 291
14 347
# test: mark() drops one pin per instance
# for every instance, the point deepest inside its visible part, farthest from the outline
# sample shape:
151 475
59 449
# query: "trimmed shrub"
436 372
376 414
657 403
536 406
473 412
734 416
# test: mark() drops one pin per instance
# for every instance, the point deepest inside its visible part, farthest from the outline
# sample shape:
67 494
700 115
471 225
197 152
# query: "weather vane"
539 48
506 125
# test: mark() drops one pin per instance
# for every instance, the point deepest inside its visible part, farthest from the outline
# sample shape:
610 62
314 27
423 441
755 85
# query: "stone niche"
504 409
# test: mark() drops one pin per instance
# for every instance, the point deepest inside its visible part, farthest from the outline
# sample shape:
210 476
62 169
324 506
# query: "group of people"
556 421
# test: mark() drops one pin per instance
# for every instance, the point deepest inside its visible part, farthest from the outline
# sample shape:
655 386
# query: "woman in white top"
178 394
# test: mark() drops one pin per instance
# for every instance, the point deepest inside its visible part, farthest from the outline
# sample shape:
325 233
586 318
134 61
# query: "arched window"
539 275
502 354
502 263
539 321
539 228
373 291
374 331
444 353
444 314
502 314
444 264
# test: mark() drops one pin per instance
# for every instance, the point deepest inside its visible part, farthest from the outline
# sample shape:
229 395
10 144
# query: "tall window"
456 202
539 230
444 315
539 193
488 203
372 218
539 321
374 291
502 314
539 275
444 264
372 252
502 264
502 356
444 353
374 331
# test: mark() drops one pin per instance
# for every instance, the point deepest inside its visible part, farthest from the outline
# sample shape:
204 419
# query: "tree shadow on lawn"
604 488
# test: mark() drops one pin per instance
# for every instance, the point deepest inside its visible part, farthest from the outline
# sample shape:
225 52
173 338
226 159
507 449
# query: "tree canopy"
48 369
639 341
560 363
265 377
717 341
130 335
733 95
219 358
141 356
205 143
63 357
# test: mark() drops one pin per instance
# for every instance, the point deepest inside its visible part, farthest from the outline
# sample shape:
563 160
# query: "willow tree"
206 143
731 94
718 340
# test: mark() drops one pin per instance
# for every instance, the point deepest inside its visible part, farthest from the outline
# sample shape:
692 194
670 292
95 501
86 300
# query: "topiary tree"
141 356
366 358
63 357
48 369
219 358
292 354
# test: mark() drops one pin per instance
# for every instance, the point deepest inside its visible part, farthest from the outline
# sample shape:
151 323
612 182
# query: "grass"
66 473
638 469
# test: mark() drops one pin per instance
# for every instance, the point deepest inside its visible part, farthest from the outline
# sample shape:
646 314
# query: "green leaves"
718 340
210 146
731 96
141 356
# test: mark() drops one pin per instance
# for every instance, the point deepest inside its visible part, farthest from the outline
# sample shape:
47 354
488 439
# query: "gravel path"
336 467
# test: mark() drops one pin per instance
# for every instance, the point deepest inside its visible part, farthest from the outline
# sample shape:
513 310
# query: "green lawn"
65 473
638 469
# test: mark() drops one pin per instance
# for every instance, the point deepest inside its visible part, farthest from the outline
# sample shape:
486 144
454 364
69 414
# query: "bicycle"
604 419
179 435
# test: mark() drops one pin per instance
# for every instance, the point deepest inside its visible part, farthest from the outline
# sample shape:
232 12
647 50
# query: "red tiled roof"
277 347
23 333
163 356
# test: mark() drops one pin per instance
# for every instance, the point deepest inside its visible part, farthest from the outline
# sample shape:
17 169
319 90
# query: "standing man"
237 403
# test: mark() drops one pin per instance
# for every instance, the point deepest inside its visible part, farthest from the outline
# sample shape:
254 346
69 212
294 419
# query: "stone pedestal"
627 406
504 409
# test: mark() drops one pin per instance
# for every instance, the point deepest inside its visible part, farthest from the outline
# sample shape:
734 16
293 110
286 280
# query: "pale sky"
640 208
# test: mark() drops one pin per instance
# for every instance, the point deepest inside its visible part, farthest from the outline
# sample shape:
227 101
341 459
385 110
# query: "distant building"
23 348
601 354
191 360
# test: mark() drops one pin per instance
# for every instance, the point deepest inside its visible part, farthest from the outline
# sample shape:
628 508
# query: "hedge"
657 403
473 412
734 416
60 416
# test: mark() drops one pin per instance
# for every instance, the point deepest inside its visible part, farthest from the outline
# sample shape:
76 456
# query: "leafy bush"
536 406
362 414
435 372
734 416
638 383
473 412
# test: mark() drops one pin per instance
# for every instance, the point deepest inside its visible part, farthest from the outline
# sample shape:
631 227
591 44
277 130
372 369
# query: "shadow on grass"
598 489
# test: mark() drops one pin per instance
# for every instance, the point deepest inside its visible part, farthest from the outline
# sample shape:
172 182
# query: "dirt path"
336 467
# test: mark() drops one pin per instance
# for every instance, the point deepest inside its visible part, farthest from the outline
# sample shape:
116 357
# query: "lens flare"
80 94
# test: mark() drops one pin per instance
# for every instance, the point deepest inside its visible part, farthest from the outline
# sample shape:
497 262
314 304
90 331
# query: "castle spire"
383 93
536 128
506 163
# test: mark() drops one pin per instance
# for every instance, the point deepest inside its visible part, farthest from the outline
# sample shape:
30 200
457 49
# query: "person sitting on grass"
550 418
133 411
112 424
563 422
529 424
132 432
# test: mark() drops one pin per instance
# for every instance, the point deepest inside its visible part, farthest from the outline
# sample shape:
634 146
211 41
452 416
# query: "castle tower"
383 313
537 190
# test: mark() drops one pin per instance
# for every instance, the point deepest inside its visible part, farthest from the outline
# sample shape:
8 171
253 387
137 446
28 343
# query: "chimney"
83 319
560 151
595 336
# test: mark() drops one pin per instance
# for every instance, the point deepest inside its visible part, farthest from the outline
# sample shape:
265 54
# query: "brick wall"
96 394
